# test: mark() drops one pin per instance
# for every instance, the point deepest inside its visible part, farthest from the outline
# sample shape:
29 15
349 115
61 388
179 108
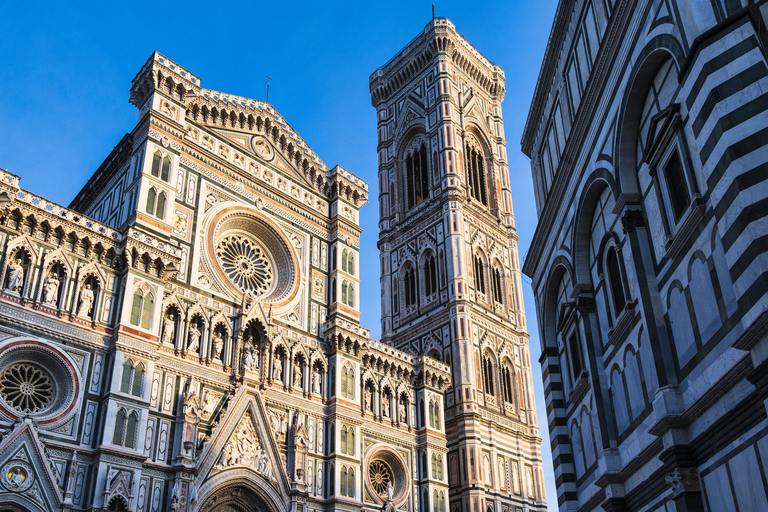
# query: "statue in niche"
251 358
385 407
368 399
50 291
194 338
218 345
168 325
15 276
277 370
316 381
86 301
297 375
403 414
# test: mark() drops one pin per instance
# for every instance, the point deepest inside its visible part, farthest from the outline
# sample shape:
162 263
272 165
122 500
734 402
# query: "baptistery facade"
185 335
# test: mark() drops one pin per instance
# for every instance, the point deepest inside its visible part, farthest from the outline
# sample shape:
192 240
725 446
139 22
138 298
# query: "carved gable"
25 472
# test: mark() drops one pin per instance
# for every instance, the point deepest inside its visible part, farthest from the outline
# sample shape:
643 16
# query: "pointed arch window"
141 309
430 275
410 285
132 378
496 289
507 382
479 275
125 428
155 203
417 176
151 195
161 166
348 383
156 163
488 375
476 174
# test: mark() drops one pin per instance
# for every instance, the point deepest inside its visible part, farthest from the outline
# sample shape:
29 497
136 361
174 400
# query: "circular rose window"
387 476
37 381
27 388
250 256
381 477
245 264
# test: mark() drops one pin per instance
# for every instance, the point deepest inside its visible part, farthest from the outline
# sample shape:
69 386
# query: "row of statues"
385 406
51 284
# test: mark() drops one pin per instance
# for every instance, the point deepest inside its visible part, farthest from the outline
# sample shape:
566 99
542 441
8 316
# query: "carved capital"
632 220
683 480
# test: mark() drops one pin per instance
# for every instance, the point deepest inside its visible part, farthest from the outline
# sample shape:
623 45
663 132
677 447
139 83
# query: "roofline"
548 66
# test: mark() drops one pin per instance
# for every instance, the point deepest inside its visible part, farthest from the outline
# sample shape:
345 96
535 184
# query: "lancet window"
410 287
496 289
430 275
476 172
416 175
479 274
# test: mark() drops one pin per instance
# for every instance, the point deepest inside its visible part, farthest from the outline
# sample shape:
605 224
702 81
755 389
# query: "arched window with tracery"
416 175
348 382
141 310
125 428
132 378
161 166
476 175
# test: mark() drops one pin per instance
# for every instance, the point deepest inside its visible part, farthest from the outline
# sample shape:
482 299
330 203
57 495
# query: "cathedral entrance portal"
237 497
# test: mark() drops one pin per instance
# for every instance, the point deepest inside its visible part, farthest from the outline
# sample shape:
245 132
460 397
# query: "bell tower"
450 273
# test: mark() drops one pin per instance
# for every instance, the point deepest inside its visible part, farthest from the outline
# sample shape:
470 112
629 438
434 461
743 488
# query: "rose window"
26 388
381 477
245 264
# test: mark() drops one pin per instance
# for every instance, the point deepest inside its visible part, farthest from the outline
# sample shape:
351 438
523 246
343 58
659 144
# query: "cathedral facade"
185 335
450 274
648 144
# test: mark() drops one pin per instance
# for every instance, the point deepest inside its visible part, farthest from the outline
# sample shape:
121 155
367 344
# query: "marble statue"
15 276
50 291
194 338
86 301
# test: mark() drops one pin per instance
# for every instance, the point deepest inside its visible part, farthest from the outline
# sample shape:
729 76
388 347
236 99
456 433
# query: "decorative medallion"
17 476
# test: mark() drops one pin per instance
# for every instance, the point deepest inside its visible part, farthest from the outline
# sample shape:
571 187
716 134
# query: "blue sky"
66 69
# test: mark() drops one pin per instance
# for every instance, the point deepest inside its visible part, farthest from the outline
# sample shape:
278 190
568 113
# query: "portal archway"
242 494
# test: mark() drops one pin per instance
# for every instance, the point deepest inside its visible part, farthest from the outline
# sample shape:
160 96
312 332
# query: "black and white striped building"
648 139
